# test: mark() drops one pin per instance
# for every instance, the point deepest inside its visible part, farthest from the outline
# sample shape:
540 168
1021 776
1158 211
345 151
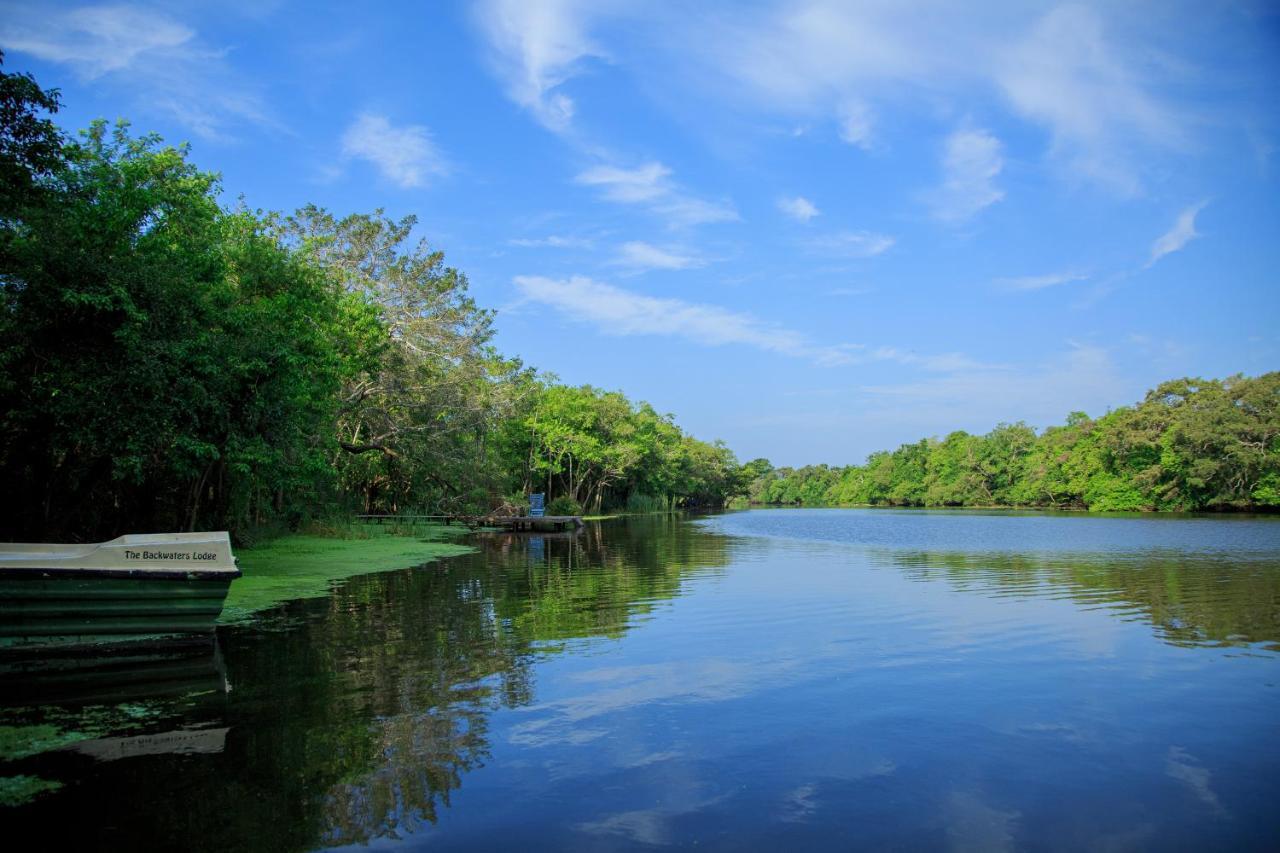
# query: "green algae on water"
303 566
19 790
18 742
57 727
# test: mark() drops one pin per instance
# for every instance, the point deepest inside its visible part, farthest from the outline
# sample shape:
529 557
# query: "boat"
152 589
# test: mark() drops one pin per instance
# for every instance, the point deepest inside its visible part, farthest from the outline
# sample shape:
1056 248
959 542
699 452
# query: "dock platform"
537 522
546 523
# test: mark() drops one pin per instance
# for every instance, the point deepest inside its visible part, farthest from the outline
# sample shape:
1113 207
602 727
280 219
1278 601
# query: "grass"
307 565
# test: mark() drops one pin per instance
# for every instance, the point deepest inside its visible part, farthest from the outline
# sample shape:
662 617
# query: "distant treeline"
169 363
1191 444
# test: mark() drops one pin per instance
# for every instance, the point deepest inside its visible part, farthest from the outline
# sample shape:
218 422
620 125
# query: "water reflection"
1198 580
625 687
358 716
112 677
1190 600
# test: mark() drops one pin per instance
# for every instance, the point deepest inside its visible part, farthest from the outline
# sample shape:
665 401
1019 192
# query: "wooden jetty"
546 523
537 522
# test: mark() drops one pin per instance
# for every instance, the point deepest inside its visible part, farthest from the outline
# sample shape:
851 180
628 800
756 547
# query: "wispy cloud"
162 62
1067 74
1182 233
1089 75
679 210
855 123
650 185
851 244
405 155
1083 377
1039 282
615 311
798 208
1187 769
970 163
638 256
551 241
1067 69
537 47
94 40
646 182
945 363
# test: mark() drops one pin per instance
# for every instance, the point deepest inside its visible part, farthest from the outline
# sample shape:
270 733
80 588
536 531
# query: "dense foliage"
168 363
1190 444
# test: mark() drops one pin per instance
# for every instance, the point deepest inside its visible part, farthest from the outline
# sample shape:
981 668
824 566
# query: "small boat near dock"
141 588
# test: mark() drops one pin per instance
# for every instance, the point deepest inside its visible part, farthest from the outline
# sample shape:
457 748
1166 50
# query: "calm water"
817 678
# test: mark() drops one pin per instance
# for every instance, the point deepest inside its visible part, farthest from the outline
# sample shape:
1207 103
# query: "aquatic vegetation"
16 790
303 566
18 742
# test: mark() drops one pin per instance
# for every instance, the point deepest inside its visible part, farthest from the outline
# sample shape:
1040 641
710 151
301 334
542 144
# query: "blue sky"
813 230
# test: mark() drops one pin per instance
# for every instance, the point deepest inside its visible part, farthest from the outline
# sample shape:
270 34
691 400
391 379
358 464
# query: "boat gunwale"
210 574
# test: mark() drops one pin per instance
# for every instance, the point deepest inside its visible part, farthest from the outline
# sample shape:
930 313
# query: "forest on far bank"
1191 444
168 362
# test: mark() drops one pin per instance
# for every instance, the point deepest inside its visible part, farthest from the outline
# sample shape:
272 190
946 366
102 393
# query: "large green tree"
165 363
415 427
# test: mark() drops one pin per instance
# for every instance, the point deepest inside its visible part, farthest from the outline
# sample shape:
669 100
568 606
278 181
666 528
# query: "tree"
415 424
30 143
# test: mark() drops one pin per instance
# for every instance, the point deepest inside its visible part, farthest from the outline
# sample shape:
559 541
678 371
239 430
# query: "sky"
811 229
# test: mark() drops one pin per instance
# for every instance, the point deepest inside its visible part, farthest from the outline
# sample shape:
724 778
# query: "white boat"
140 587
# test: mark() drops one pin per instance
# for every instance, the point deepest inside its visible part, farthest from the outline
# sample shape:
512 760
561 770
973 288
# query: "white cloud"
649 184
538 46
1083 377
1039 282
94 40
1182 233
798 208
971 161
945 363
1090 75
159 61
638 255
643 183
852 244
551 241
615 311
1070 70
855 124
1068 75
684 210
621 312
403 155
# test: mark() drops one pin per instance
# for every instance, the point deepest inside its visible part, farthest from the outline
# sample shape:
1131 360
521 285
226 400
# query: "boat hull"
49 608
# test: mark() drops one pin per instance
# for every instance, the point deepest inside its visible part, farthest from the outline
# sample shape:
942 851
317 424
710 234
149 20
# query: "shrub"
564 505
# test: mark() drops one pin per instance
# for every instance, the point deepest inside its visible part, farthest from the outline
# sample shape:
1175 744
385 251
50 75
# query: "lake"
813 678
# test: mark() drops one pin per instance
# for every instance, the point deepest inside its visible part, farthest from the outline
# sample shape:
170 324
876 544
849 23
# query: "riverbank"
1251 509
